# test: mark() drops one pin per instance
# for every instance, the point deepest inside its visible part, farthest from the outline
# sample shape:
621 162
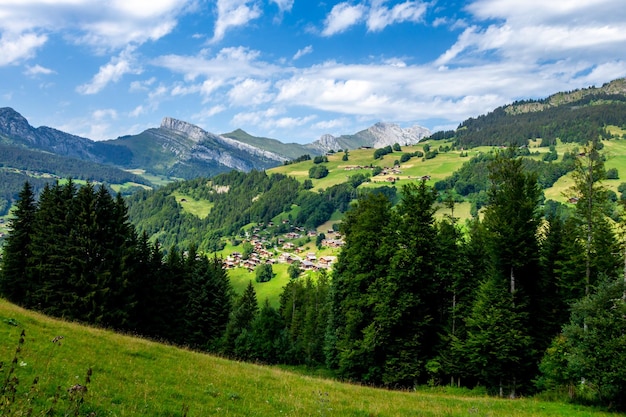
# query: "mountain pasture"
133 376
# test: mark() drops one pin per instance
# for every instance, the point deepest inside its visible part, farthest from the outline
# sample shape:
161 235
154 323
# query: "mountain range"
182 150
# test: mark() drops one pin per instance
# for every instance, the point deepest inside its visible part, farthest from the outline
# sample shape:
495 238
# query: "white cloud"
283 5
343 16
538 31
102 114
142 85
233 13
226 64
208 113
138 111
111 72
302 52
15 48
380 16
25 25
250 92
271 119
33 71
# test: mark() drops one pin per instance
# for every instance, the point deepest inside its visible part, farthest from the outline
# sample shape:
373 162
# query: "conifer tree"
498 350
591 212
511 222
363 259
238 336
48 268
14 282
268 335
221 303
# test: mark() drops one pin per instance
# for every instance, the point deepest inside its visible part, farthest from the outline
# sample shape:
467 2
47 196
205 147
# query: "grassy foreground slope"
133 376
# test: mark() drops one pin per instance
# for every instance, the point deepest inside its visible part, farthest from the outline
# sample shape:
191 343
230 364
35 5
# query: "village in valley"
262 245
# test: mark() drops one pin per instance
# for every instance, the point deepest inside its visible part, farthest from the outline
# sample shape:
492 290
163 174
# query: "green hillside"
133 377
290 150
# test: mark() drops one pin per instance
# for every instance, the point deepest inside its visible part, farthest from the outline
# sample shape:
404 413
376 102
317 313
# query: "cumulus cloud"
343 16
111 72
15 48
540 30
380 16
250 92
233 13
227 64
283 5
271 119
377 16
109 25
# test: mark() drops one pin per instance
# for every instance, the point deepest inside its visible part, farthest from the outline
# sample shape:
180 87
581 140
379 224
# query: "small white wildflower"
22 364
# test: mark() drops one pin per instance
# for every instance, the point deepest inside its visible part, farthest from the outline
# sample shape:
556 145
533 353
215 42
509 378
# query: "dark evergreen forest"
573 122
519 300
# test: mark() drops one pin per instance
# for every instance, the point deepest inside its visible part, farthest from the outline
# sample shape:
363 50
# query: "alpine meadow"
477 271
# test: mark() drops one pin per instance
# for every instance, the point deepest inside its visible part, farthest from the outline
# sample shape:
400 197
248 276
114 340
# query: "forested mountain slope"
575 116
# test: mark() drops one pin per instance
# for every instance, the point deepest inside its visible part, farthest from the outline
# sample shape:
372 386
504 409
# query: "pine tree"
592 209
498 350
238 338
268 335
511 222
48 268
363 259
14 281
588 357
410 297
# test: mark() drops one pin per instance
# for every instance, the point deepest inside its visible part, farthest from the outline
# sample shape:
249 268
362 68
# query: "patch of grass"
199 208
271 290
160 380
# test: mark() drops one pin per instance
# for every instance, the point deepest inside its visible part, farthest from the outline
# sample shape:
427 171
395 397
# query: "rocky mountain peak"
193 132
389 133
14 124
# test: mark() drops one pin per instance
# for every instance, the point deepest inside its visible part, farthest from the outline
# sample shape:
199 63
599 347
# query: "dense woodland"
517 301
575 122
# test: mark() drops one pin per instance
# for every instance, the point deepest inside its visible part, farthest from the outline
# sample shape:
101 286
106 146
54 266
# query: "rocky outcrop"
377 136
202 137
15 127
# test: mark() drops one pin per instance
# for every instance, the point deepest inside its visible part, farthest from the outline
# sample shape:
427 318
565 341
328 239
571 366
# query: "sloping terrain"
132 376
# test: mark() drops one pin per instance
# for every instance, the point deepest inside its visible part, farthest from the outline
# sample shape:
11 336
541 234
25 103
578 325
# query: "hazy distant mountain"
289 150
180 149
377 136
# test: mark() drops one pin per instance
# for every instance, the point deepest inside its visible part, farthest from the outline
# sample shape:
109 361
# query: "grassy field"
133 377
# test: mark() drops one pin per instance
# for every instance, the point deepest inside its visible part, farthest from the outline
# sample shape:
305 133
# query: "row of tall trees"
74 254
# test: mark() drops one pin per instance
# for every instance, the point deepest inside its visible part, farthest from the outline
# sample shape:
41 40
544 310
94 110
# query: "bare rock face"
387 134
223 153
377 136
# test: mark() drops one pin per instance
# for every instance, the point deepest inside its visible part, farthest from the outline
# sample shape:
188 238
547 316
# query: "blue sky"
294 69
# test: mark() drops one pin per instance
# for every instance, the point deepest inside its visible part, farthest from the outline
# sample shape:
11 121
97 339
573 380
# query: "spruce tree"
48 268
238 336
14 281
511 222
363 259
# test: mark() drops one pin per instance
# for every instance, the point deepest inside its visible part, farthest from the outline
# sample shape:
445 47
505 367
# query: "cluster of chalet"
285 251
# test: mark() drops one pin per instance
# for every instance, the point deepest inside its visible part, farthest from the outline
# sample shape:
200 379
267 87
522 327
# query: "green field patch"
199 208
239 278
